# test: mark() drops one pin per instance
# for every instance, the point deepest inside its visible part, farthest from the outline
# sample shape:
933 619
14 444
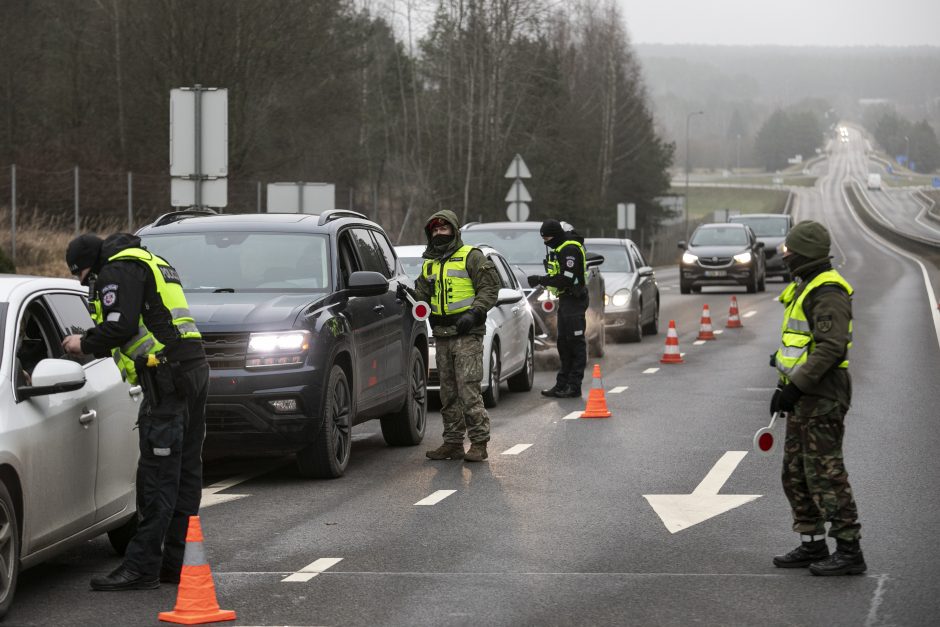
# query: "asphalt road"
562 531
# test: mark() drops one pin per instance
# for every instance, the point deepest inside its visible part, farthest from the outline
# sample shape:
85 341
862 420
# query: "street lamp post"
687 119
907 152
738 160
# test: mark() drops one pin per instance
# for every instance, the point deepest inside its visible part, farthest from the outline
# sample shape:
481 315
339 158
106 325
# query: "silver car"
631 302
510 331
68 449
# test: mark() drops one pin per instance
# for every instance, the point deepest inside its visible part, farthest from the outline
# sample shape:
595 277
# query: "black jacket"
571 261
127 291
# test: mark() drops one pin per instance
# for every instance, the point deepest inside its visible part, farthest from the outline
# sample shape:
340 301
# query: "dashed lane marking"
210 496
718 331
619 389
650 370
748 314
518 448
573 415
435 497
312 569
698 342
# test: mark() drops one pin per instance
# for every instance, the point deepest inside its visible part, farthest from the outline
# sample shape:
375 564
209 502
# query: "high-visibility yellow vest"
796 337
453 289
553 267
124 364
171 295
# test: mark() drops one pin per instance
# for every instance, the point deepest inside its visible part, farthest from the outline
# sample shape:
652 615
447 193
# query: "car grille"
222 419
225 350
714 262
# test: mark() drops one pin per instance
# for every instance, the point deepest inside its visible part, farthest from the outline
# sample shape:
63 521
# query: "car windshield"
719 236
766 227
240 261
517 246
412 265
616 258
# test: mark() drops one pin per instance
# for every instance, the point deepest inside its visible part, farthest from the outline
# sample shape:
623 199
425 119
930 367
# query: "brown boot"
447 450
477 452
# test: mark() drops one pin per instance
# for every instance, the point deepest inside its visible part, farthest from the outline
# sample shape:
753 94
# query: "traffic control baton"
419 309
764 439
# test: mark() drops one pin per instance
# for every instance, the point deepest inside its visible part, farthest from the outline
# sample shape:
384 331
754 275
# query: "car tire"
597 346
752 285
406 426
684 287
328 455
120 537
652 327
636 333
491 396
9 550
762 285
523 380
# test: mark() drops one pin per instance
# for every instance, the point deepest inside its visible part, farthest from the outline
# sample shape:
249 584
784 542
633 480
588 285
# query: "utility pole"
688 118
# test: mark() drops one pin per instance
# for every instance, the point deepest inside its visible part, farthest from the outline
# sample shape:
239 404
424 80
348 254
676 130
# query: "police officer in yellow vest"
461 285
566 278
815 390
142 319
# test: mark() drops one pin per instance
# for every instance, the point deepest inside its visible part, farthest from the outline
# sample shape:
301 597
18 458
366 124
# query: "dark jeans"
572 344
169 473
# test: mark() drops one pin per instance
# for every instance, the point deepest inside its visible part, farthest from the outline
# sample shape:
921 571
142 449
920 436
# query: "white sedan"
68 449
510 331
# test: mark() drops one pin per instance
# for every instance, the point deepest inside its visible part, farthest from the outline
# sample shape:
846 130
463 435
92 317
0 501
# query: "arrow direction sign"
518 192
518 169
681 511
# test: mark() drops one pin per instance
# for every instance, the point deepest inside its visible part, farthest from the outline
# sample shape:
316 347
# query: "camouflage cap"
809 239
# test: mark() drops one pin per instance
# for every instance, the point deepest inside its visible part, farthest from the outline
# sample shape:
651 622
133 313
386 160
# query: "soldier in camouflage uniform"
815 390
461 285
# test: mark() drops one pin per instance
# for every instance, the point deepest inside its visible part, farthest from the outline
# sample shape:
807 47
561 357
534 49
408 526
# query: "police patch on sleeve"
570 262
109 298
824 324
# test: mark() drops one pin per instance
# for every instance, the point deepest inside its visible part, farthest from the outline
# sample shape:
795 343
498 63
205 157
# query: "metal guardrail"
870 216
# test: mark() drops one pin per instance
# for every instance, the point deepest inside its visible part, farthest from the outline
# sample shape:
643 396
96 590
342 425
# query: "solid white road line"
619 389
650 370
748 314
573 415
313 569
435 497
518 448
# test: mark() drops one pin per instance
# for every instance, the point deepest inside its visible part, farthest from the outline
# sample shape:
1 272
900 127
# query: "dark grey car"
722 254
771 229
631 304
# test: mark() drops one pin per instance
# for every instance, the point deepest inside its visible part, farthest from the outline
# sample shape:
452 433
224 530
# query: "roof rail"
471 223
336 214
182 214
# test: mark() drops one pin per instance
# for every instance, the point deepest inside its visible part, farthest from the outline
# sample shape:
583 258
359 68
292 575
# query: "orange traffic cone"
672 355
705 328
195 599
596 403
734 320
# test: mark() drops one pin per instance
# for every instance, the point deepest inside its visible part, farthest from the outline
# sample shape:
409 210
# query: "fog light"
284 405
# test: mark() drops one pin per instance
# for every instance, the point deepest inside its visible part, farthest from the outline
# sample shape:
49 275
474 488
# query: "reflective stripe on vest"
554 268
796 337
124 364
453 289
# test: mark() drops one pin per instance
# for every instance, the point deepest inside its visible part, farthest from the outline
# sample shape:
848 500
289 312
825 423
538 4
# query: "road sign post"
518 196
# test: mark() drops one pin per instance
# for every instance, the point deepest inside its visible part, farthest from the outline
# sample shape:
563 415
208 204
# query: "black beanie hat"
551 228
83 252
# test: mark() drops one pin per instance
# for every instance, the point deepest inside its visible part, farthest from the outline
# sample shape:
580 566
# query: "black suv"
522 245
304 334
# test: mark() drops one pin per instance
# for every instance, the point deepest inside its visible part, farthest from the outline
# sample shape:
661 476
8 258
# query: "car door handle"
515 310
378 308
135 393
87 417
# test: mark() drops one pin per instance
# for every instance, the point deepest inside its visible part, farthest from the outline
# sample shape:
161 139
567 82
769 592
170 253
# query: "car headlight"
285 348
781 248
689 258
621 298
744 257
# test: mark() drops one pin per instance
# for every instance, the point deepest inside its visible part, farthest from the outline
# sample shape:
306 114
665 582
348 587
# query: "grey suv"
303 332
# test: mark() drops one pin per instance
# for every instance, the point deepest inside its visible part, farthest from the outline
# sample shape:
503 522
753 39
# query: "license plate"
716 272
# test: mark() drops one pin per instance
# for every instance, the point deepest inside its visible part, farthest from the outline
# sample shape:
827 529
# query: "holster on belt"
155 375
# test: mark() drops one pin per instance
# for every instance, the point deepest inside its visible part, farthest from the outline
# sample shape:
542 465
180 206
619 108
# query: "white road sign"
518 169
212 192
518 192
214 132
518 211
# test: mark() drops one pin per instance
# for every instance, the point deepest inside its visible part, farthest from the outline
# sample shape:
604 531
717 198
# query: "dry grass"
41 239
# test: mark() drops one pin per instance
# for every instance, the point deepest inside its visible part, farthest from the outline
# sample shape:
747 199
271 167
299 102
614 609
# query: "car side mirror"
508 296
592 260
366 283
682 244
52 376
645 271
760 244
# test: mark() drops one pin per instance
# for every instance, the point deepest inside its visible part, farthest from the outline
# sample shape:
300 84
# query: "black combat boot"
569 391
847 560
812 549
551 392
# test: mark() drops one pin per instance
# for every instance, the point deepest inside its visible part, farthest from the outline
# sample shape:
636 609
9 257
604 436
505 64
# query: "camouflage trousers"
814 476
460 366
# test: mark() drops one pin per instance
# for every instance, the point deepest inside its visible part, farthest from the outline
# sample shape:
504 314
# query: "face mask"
441 240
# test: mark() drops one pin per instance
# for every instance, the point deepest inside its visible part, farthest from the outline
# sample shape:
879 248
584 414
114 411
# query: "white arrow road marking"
619 389
518 448
749 314
650 370
435 497
210 498
681 511
573 415
313 569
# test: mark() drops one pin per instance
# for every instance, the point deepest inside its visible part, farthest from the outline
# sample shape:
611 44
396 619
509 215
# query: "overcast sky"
784 22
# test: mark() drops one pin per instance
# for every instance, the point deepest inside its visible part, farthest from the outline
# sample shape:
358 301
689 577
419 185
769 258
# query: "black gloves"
534 280
785 398
466 322
773 360
403 291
